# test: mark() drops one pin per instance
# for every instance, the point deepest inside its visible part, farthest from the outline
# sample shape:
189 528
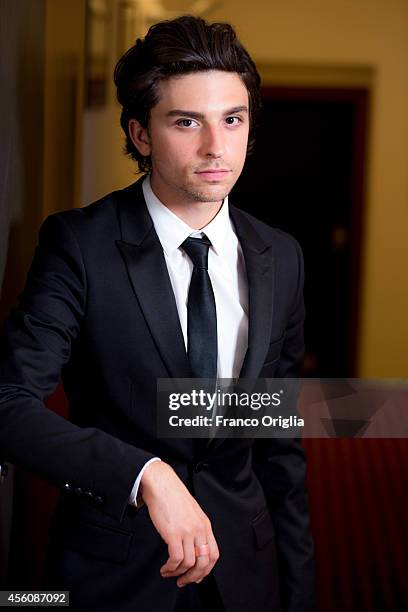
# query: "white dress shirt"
226 268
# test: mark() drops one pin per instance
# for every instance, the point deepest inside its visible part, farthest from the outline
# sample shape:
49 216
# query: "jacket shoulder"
101 209
88 223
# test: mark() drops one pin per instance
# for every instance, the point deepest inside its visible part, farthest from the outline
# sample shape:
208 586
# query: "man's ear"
140 137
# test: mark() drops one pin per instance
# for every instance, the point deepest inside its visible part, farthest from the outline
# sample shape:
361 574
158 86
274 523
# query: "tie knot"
197 250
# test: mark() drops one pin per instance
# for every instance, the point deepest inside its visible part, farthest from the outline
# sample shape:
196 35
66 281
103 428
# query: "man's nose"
213 143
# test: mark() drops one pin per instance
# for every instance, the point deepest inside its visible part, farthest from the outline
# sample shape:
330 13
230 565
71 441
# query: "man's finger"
189 557
176 556
188 561
196 573
213 546
202 565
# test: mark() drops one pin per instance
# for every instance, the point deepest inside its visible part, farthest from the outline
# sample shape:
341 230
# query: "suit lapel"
260 269
144 259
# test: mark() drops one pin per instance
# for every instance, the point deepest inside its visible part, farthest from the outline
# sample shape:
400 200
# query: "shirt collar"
172 231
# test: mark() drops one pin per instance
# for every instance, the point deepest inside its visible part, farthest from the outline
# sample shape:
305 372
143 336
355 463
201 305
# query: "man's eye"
187 123
233 120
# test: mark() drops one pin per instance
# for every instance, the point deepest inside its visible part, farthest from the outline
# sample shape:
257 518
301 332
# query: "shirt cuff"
133 501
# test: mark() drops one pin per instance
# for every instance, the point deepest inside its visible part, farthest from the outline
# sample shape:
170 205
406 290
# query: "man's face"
197 136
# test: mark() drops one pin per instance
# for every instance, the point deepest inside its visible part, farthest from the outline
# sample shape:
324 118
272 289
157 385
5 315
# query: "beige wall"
104 167
63 103
351 34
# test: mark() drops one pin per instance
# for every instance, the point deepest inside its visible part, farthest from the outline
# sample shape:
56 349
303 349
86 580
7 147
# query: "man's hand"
181 523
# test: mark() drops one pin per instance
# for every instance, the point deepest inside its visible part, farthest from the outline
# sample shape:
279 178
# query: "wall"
104 167
326 33
21 117
63 104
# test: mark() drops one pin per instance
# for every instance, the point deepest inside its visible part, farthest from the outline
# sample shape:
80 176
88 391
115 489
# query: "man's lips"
213 173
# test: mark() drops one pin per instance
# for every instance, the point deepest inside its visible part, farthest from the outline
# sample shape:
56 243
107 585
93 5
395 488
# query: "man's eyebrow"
237 109
178 112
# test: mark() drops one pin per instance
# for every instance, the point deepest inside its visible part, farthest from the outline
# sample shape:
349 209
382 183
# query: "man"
164 279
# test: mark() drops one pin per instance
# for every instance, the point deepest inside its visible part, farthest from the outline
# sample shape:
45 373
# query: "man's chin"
213 194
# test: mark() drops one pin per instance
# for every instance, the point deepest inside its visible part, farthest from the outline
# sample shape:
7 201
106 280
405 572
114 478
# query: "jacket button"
78 491
98 500
88 494
67 487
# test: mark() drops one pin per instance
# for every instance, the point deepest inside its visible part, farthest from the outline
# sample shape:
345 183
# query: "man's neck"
195 214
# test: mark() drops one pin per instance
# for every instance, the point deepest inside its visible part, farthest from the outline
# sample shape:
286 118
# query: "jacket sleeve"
35 344
280 466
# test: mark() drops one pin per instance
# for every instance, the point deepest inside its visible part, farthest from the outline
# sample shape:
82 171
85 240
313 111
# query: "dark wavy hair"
179 46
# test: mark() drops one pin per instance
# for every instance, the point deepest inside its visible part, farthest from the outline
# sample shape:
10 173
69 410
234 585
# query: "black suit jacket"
98 310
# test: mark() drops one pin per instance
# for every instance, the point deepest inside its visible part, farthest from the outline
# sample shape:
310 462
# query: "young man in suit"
164 279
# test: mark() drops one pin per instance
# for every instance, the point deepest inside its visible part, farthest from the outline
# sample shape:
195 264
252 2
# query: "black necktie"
201 312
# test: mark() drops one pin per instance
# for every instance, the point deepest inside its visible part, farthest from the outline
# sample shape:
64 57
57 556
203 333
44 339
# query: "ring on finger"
202 550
